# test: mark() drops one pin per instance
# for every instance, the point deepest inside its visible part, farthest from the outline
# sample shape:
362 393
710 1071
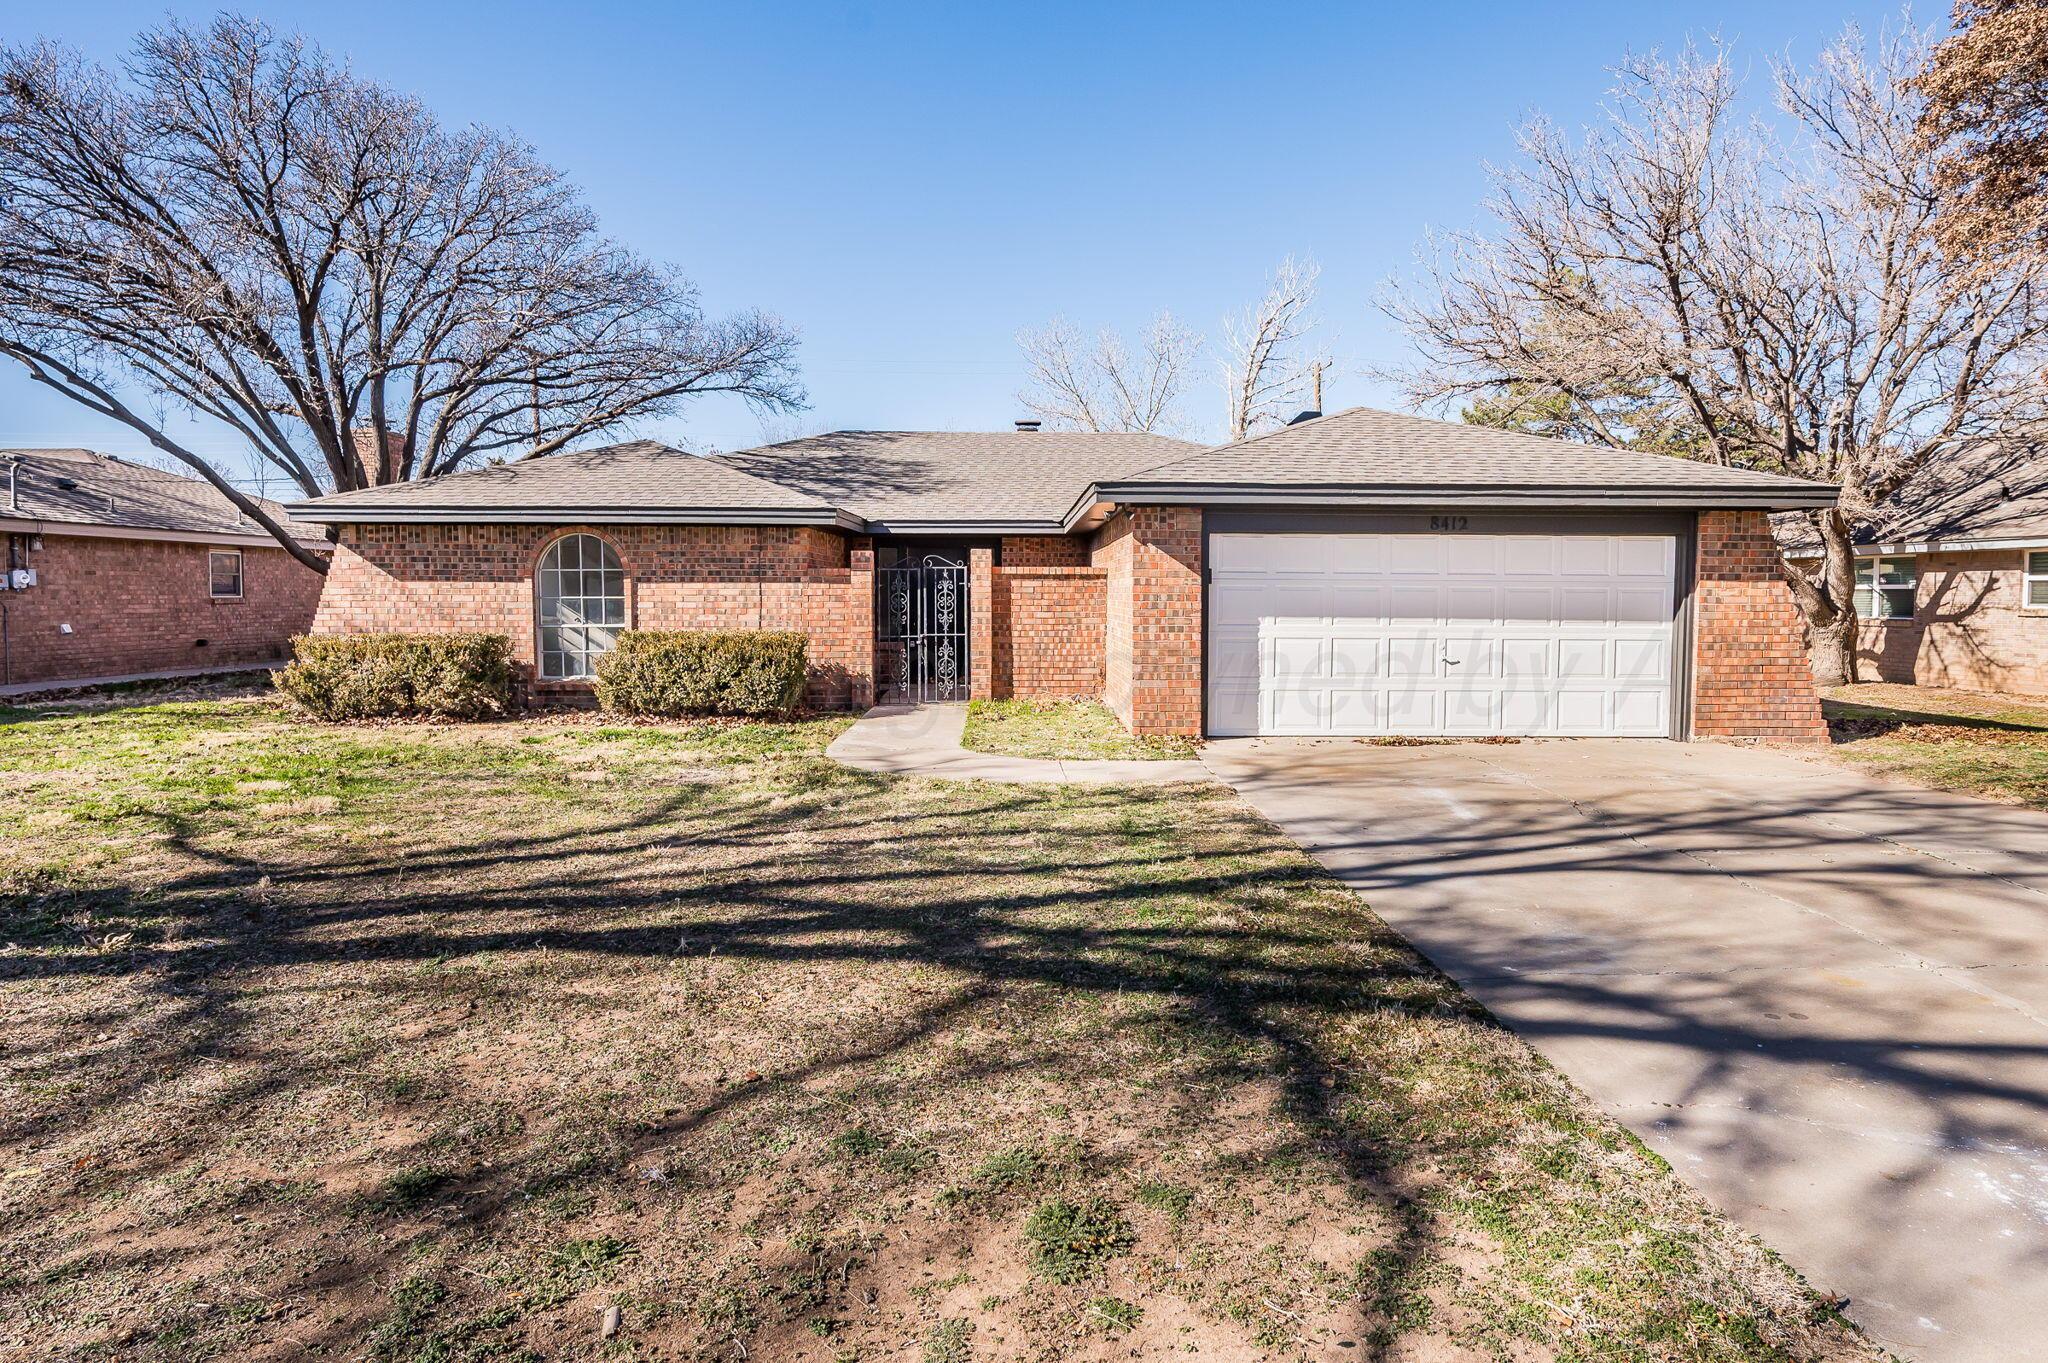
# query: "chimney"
1028 427
380 471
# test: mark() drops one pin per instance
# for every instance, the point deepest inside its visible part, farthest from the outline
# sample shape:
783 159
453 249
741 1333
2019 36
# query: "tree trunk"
1831 611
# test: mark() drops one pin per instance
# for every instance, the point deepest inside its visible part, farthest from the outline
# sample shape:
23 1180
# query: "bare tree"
1078 387
1266 371
1681 279
237 225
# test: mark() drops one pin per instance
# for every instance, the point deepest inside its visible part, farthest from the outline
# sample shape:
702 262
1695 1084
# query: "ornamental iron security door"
922 620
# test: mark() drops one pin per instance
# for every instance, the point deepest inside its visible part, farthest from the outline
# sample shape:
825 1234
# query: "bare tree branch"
1681 280
238 225
1265 373
1078 388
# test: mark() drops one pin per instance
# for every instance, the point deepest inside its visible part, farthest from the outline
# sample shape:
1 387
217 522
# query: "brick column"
1166 620
1750 677
981 634
860 558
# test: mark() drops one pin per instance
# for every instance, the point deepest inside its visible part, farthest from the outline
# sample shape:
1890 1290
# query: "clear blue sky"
911 184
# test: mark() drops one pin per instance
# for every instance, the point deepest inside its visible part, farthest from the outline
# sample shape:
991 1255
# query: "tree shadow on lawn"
1196 997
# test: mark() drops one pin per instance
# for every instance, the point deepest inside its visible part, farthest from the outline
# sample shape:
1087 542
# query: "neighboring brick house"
1952 575
1357 573
114 569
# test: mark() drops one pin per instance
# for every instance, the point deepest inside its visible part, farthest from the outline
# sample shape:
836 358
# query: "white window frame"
240 581
597 618
1870 577
2029 576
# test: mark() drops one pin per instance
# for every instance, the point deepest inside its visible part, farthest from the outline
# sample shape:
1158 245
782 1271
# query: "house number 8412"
1450 522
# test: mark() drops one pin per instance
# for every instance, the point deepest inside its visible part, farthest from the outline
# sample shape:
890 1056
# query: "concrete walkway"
924 740
1822 997
37 688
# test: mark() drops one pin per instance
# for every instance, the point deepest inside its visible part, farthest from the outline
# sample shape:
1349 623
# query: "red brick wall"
433 578
1112 553
1045 551
142 606
1151 557
1048 629
980 622
1751 678
1968 628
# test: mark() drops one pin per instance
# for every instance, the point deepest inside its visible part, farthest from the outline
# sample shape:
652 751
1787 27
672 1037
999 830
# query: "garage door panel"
1233 711
1471 710
1528 556
1294 660
1289 601
1355 657
1529 604
1641 708
1234 657
1299 710
1415 601
1645 659
1354 600
1646 556
1524 710
1441 634
1472 602
1357 710
1416 711
1525 659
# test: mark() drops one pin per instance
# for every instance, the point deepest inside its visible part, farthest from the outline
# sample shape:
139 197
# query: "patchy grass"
422 1042
1991 746
1071 729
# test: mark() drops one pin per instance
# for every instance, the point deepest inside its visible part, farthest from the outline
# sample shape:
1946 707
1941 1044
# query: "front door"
921 630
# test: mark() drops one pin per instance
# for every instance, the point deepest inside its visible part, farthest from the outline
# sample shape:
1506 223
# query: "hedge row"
673 673
374 676
469 676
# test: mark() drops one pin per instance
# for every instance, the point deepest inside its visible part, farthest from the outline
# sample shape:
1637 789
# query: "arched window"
582 606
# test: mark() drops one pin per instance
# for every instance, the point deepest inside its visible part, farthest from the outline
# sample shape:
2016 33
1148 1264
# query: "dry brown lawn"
436 1044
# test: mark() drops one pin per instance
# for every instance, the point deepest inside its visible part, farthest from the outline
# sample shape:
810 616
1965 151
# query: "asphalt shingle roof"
83 487
1364 448
641 475
1987 492
957 477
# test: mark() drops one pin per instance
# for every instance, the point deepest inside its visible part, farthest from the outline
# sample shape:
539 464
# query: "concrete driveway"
1823 999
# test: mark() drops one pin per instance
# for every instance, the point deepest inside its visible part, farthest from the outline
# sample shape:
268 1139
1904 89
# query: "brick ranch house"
113 569
1952 575
1356 573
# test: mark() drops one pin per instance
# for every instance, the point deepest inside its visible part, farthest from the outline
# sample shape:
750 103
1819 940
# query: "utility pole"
1316 370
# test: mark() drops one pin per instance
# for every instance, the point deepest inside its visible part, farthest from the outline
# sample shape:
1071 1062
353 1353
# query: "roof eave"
1663 498
576 515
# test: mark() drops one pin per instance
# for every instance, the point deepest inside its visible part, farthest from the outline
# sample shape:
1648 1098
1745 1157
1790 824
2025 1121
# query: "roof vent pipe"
1028 427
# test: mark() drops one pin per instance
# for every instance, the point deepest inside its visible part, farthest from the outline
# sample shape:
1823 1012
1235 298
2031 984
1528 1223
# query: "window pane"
1898 572
224 572
2037 563
1866 603
1898 603
582 604
2037 592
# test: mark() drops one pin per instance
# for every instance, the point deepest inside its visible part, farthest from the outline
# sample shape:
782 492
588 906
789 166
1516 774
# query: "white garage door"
1441 634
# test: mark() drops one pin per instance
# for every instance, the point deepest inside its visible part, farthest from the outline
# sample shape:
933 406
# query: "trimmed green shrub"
380 676
703 672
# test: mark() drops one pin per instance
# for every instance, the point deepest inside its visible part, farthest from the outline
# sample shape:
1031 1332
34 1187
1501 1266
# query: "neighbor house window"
1885 588
224 573
2036 584
582 606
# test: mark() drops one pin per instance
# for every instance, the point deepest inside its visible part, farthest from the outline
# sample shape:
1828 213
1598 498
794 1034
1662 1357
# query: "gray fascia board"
566 515
1463 495
901 526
